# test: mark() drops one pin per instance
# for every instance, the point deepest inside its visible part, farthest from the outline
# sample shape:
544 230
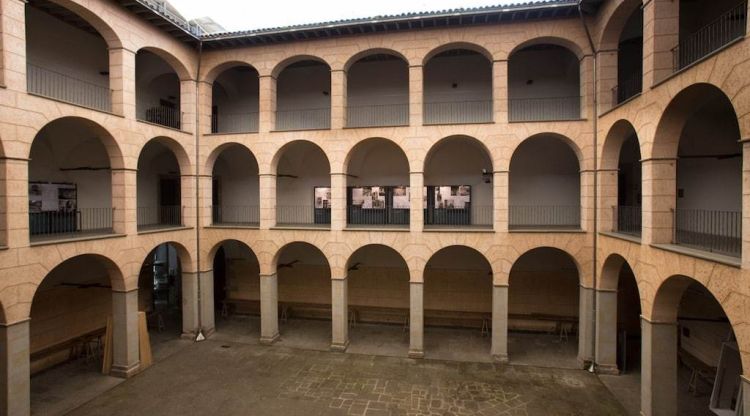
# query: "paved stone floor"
217 377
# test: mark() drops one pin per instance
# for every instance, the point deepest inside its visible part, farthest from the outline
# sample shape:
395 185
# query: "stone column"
500 200
122 81
500 323
205 103
207 309
416 91
340 314
190 309
659 200
187 104
126 353
606 332
606 62
587 200
15 372
658 368
338 201
661 31
500 91
607 199
267 103
205 203
17 202
267 203
587 86
269 309
416 201
124 201
585 326
745 394
416 320
338 99
745 203
13 45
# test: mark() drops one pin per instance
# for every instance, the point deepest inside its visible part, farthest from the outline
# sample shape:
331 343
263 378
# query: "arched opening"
159 186
543 309
69 315
377 185
157 90
236 289
629 59
544 84
303 96
458 184
70 180
304 293
458 88
377 94
303 185
545 185
235 195
235 95
458 305
622 153
66 57
690 353
378 300
160 294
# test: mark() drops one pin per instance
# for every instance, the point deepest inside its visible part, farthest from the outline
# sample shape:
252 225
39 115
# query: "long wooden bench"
87 345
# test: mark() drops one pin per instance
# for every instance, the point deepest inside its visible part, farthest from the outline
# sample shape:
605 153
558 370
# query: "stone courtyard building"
554 166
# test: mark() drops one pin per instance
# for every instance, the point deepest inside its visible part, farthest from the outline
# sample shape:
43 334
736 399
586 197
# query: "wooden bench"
89 346
239 306
478 320
304 310
378 315
563 326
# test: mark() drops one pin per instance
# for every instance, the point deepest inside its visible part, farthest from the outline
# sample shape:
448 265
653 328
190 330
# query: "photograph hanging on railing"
401 197
52 197
322 198
369 197
452 197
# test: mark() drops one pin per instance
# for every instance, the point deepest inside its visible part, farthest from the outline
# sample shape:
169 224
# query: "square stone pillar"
122 82
587 200
13 44
205 103
126 353
189 212
416 320
658 368
267 103
659 200
267 203
587 86
340 315
17 202
338 201
124 201
661 31
205 207
500 201
416 98
607 200
207 308
745 395
606 332
585 326
500 91
607 69
187 104
745 203
416 201
499 347
15 372
338 99
190 311
269 309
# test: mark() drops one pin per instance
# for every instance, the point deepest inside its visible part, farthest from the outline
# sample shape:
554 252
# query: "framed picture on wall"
322 197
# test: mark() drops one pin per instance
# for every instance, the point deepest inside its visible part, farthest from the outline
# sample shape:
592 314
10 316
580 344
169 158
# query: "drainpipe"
196 134
595 123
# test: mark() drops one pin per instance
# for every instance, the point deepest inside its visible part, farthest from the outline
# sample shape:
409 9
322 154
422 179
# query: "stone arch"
179 152
186 260
371 245
453 246
615 24
377 140
457 45
183 73
116 277
610 272
283 64
568 141
280 153
373 51
91 17
620 131
478 143
212 73
568 44
216 152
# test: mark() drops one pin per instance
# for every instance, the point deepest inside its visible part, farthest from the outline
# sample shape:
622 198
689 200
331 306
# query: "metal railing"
544 216
714 231
458 112
302 215
81 222
544 109
160 216
165 116
471 216
306 119
236 214
626 89
53 84
356 215
377 115
626 219
235 123
724 29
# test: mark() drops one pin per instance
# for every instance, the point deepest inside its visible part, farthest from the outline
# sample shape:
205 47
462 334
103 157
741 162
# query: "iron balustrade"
729 26
302 215
710 230
544 109
544 216
458 112
377 115
165 216
626 219
626 89
235 214
303 119
64 224
163 115
356 215
49 83
480 216
235 123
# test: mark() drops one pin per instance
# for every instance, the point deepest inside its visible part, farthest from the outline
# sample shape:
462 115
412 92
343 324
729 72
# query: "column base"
190 336
125 372
207 332
338 347
269 340
500 358
417 354
608 369
584 363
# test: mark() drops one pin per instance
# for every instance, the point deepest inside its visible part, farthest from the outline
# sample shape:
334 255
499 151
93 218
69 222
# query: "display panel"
322 198
452 197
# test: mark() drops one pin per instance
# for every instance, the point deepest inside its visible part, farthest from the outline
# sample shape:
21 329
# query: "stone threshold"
620 236
546 231
459 230
164 230
385 229
301 227
74 239
233 226
700 254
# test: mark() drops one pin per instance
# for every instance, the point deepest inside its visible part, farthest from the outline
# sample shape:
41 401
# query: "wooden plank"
144 342
107 359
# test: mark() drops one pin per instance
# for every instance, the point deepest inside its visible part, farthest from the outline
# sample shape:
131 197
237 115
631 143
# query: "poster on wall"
401 197
322 198
369 197
452 197
52 197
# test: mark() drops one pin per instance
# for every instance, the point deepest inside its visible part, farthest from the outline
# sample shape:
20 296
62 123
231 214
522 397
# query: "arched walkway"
303 95
235 187
235 105
236 290
161 163
158 95
377 90
303 185
621 163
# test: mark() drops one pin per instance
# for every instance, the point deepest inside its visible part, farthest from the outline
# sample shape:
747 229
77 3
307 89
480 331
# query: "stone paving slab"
223 378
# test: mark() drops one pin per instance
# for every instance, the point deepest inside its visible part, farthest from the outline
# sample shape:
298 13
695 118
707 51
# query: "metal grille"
83 221
545 109
377 115
238 214
161 216
235 123
544 216
53 84
458 112
306 119
626 219
731 25
715 231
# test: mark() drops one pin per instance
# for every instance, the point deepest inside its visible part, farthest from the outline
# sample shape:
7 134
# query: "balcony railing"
235 123
79 223
162 115
53 84
386 216
544 217
544 109
714 231
305 119
377 115
159 217
235 215
458 112
731 25
472 216
626 89
302 215
626 219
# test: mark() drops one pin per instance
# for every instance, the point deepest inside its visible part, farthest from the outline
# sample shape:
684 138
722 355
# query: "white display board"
401 198
52 197
452 197
322 198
